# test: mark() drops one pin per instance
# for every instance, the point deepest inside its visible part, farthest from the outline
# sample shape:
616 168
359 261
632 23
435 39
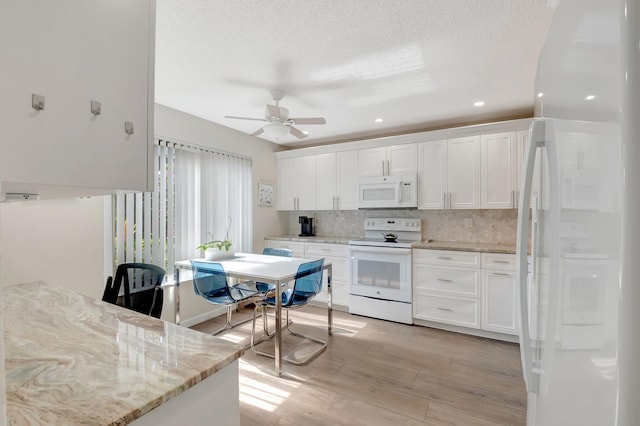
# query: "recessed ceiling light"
478 104
306 132
590 97
540 94
379 120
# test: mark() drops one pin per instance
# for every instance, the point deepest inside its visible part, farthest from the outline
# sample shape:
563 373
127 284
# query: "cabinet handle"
445 258
383 168
501 261
445 309
128 127
500 274
444 280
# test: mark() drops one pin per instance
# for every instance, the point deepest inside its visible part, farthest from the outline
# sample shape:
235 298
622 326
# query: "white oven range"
380 282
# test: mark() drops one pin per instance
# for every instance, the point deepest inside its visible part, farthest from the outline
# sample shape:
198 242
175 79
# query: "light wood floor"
380 373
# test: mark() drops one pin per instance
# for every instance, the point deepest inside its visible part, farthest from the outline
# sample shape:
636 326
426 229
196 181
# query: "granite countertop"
316 239
466 246
70 359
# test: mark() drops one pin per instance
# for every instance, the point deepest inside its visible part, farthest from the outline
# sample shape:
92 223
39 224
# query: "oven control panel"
393 224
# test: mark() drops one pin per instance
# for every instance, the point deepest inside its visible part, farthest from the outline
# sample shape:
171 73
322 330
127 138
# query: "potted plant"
218 249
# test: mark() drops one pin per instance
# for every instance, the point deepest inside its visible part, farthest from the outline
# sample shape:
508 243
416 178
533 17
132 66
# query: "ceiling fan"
279 124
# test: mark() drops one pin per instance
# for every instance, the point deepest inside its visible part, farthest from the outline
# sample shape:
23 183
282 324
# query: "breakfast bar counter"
70 359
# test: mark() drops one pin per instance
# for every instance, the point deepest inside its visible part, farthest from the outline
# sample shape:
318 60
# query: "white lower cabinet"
337 254
465 289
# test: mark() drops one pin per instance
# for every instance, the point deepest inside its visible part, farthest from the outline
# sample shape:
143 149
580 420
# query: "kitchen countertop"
317 239
466 246
70 359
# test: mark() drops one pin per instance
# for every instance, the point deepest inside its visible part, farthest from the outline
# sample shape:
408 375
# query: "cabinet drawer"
444 309
326 249
447 280
297 249
447 257
499 261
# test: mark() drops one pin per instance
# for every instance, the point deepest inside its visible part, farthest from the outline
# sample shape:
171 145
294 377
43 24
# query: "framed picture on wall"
266 192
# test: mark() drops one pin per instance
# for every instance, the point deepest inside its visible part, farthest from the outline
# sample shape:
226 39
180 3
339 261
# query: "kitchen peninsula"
70 359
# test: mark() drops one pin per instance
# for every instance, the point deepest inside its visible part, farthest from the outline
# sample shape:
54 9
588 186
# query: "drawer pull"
501 275
444 280
501 261
445 309
444 258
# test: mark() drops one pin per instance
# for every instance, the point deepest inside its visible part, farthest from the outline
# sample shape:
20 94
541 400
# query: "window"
197 191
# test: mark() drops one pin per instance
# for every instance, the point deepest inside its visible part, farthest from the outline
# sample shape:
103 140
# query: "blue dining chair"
307 284
210 282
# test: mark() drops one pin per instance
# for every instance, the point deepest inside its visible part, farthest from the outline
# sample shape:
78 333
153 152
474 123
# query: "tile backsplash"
480 226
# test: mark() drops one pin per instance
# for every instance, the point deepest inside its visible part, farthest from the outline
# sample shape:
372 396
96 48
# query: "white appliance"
385 192
578 219
380 284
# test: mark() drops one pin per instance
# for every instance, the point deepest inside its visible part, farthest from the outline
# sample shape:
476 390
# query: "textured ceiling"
418 64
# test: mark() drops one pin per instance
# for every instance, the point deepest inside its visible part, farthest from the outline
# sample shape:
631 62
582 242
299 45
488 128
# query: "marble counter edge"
190 353
316 239
466 246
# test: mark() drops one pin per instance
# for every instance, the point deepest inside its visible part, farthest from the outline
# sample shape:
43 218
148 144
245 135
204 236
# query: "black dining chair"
307 284
136 286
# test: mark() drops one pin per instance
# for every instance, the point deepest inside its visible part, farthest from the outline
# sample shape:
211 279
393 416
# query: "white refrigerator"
579 221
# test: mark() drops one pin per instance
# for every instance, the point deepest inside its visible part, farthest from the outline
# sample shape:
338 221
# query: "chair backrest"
136 286
209 278
271 251
308 281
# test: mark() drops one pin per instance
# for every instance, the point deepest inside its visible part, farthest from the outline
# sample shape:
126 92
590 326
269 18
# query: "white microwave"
388 192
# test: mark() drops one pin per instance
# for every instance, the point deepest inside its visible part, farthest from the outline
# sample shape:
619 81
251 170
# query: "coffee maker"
306 226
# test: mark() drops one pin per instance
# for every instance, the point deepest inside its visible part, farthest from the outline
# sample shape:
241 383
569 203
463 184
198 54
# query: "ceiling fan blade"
310 120
244 118
258 132
297 133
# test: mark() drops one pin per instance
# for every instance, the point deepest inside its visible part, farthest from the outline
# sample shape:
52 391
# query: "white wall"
62 241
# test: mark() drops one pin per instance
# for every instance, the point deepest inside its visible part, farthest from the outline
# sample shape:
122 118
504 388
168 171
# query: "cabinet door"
305 178
499 302
287 184
73 52
326 181
497 167
464 172
372 161
347 180
432 174
402 159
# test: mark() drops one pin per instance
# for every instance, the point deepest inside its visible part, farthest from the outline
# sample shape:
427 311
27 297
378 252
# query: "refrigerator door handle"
537 134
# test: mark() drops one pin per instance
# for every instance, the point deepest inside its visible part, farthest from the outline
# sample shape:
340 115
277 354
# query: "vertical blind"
198 194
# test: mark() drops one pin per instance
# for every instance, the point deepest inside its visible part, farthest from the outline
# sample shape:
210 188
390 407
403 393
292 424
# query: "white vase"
215 254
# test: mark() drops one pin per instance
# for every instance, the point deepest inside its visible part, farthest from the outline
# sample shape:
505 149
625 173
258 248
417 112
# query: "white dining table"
275 270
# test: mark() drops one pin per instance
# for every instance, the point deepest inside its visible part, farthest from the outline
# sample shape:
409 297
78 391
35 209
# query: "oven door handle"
379 250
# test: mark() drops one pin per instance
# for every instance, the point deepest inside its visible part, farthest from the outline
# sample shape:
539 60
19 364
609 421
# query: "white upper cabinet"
76 96
347 180
297 183
388 160
464 172
432 175
326 176
498 184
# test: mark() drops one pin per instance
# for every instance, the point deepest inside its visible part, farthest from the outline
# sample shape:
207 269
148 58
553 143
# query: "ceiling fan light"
276 130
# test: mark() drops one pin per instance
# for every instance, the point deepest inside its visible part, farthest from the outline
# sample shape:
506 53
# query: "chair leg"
311 357
228 325
265 327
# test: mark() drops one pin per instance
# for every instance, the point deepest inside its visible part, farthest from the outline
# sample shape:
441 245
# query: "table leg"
176 297
278 348
330 302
